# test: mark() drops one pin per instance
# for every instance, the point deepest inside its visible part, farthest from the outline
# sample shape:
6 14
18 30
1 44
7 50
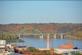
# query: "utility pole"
48 39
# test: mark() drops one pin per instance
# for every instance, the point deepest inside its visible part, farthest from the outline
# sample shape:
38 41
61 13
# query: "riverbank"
48 51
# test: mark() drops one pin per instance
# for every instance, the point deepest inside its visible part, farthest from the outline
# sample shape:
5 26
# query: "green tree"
32 49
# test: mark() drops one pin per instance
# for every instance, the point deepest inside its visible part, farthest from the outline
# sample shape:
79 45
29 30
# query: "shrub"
32 49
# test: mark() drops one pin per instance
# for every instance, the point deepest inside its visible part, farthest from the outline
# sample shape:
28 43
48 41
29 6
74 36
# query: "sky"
40 12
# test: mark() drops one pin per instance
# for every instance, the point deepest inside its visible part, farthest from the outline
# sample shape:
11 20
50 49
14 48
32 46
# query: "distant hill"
74 29
50 27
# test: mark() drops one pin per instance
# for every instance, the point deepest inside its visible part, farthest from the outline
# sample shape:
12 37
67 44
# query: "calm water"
41 43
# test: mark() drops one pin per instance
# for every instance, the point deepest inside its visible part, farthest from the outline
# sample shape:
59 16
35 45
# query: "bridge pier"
41 36
55 36
19 36
61 36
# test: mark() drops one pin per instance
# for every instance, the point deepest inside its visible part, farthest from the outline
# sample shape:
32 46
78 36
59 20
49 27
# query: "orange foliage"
66 46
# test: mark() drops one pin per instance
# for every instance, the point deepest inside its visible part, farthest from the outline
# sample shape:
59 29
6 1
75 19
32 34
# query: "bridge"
45 35
42 35
36 32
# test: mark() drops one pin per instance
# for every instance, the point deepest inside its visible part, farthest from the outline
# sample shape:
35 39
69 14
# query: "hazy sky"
40 12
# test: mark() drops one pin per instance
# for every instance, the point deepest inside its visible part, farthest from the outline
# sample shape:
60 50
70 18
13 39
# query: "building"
2 43
3 50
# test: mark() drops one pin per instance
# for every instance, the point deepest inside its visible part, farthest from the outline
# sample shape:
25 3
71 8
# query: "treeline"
8 36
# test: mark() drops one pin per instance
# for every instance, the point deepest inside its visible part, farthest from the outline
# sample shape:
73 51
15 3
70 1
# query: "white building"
2 43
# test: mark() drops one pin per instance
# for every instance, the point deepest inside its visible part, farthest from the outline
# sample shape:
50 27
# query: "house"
2 43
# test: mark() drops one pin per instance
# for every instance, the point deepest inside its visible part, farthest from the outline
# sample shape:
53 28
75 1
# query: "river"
41 43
